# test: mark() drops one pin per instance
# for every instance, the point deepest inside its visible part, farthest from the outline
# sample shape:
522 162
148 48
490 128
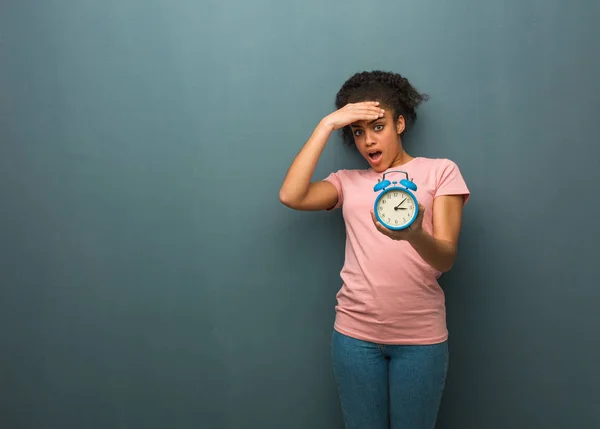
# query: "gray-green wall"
149 276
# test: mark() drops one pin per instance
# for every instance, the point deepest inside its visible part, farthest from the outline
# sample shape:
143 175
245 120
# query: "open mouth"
375 156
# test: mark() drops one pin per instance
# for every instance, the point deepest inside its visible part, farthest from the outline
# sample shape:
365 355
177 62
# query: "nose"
369 138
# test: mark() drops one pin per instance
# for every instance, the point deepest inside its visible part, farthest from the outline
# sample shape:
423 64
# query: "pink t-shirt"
389 294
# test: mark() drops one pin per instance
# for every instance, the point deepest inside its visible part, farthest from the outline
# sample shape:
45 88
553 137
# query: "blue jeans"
388 387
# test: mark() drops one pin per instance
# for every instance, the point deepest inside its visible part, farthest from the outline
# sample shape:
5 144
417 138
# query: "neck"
402 158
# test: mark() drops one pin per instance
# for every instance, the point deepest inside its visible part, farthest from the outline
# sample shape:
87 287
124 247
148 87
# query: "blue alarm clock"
396 206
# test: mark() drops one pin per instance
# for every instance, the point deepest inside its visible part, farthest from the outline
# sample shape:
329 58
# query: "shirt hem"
387 341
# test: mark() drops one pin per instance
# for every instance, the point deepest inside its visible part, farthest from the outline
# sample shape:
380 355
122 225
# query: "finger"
379 226
355 113
375 111
369 108
368 114
373 218
366 103
365 110
381 229
375 221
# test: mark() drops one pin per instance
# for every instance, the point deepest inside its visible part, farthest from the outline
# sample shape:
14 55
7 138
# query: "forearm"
297 180
440 254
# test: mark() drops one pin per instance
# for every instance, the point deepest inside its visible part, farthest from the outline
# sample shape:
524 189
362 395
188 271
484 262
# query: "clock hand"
396 208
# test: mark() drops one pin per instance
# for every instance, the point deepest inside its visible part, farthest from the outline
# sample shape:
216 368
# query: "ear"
400 125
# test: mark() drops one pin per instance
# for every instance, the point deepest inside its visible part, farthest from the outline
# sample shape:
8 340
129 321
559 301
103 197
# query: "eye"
378 127
357 133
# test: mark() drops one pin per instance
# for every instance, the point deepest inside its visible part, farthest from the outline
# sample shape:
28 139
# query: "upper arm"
451 195
321 195
447 218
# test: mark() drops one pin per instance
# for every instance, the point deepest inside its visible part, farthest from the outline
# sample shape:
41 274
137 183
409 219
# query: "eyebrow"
369 123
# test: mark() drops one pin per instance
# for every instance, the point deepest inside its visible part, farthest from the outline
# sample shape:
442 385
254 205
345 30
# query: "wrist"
417 236
326 124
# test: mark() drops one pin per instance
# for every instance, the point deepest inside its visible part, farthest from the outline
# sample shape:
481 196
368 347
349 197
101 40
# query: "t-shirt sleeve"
450 181
335 179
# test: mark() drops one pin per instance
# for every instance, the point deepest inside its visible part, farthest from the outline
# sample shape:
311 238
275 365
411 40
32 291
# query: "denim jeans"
388 387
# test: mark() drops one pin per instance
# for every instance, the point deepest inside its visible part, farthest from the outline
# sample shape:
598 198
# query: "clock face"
396 209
